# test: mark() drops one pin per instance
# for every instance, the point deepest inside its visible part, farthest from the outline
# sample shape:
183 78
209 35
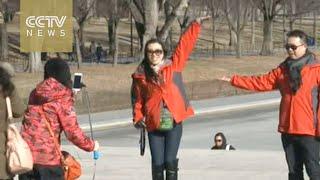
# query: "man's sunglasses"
156 52
291 46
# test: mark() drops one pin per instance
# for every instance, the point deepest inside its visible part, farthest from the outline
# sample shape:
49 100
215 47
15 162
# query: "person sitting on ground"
221 143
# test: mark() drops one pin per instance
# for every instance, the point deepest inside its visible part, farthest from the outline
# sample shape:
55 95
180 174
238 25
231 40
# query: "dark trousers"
164 145
41 172
301 150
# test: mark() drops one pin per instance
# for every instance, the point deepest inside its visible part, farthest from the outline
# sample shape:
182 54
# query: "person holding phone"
53 97
159 100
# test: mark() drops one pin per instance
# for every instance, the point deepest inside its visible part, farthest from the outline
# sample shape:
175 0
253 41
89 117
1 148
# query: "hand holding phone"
77 82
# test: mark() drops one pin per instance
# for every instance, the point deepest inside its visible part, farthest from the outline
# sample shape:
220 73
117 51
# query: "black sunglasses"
291 46
156 52
218 140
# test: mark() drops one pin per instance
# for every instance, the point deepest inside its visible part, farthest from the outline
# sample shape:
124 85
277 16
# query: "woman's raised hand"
201 19
225 78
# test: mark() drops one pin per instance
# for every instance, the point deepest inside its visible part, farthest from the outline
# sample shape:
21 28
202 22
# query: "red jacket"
299 113
147 96
57 102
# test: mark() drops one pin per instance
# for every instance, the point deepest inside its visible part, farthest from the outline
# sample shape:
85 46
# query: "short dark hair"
298 33
59 70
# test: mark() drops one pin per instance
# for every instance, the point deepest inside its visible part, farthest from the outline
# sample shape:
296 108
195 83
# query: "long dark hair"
6 83
59 70
150 74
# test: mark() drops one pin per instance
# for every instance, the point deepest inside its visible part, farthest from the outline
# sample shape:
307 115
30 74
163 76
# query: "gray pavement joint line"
128 121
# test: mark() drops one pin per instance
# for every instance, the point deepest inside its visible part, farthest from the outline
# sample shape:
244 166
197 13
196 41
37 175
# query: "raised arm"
185 46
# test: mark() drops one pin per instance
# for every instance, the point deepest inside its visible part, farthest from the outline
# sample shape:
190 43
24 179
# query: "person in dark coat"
221 143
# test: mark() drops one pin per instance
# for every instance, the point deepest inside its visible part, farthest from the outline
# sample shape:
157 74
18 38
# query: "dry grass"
109 86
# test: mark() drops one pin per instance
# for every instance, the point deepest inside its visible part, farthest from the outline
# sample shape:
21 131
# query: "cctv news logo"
49 26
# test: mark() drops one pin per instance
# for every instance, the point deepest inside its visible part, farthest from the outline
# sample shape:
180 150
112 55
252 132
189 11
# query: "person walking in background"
298 80
99 52
7 89
221 143
159 100
53 99
92 51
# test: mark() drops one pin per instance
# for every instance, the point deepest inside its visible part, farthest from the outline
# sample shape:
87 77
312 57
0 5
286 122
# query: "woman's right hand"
225 78
96 146
139 124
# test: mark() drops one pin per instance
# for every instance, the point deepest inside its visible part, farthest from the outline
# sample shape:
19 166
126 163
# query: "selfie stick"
96 154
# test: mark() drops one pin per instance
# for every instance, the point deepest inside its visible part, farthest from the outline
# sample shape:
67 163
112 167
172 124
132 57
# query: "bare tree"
146 15
81 12
215 8
297 8
7 10
315 13
269 9
253 23
237 13
112 11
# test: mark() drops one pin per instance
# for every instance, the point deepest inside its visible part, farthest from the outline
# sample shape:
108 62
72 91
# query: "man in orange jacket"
298 79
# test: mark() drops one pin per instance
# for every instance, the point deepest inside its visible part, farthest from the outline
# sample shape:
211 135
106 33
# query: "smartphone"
77 81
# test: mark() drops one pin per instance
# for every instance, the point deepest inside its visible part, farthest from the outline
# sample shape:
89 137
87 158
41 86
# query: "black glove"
140 124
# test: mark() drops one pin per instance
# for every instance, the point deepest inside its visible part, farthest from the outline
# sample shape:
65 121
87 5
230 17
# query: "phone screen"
77 82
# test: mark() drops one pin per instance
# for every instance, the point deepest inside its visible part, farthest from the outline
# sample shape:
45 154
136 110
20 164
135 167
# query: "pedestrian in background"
7 89
220 143
92 51
298 80
99 52
160 102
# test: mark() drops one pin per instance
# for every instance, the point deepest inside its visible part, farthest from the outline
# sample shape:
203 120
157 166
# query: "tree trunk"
253 24
291 22
111 36
140 30
284 34
267 44
238 45
78 49
214 30
115 54
4 42
151 20
35 64
315 28
80 36
233 38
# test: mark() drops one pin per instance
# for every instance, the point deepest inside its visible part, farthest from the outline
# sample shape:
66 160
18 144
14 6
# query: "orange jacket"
299 113
147 96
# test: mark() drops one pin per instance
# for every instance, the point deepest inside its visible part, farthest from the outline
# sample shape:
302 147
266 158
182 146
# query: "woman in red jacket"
54 98
160 102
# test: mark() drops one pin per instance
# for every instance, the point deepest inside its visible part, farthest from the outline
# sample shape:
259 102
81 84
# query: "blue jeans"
164 145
